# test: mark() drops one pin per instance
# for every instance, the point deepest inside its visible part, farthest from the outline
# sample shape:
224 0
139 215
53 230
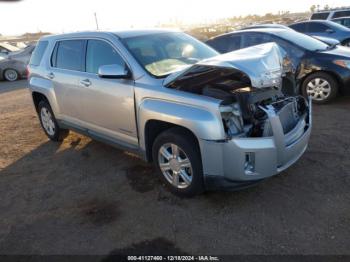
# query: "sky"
58 16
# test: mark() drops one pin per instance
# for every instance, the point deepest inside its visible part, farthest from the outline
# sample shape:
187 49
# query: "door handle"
85 82
51 75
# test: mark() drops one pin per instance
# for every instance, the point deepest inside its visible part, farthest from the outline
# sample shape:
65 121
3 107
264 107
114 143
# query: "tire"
11 75
188 160
49 123
321 86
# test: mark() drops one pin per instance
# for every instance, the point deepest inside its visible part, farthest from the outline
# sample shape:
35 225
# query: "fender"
201 122
45 87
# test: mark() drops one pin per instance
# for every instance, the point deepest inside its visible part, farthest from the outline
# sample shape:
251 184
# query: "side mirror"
329 31
113 71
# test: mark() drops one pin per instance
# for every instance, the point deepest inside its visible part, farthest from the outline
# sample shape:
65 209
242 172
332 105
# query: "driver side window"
100 53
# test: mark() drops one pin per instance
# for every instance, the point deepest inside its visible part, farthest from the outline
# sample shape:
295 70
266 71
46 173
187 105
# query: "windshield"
303 41
164 53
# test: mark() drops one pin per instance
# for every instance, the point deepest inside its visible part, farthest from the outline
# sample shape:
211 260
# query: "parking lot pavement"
84 197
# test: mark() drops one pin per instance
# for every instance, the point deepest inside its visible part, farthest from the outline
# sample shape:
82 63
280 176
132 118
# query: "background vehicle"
205 120
5 49
344 21
14 66
265 26
330 14
327 40
324 29
321 70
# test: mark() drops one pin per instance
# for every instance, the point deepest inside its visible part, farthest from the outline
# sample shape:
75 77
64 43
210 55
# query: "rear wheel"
321 87
177 158
49 122
11 75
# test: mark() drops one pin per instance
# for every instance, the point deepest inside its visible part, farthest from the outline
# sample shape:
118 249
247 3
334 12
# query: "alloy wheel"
47 121
11 75
319 89
175 165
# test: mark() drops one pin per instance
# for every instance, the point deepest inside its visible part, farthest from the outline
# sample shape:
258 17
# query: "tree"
313 8
326 7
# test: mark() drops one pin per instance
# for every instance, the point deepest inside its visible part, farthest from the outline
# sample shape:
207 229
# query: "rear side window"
226 43
252 39
341 14
69 54
38 53
299 27
100 53
317 27
219 44
320 16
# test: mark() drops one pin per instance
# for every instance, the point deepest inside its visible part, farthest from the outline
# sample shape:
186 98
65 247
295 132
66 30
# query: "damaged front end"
249 83
266 128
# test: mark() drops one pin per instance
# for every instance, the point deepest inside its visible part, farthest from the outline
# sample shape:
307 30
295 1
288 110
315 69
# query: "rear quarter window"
301 27
38 53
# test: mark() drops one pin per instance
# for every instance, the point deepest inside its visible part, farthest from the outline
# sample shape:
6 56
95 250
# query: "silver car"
14 65
207 121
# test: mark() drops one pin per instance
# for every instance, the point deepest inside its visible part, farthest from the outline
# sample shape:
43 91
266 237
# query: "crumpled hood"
261 63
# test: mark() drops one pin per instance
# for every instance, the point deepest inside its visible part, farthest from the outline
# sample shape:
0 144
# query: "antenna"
96 21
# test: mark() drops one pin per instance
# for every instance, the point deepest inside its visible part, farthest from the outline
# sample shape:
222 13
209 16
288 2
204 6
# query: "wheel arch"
154 128
201 122
37 97
43 88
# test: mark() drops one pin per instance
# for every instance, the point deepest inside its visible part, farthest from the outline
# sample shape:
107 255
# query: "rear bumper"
243 161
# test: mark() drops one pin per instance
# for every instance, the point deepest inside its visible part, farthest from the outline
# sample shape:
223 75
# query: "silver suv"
207 121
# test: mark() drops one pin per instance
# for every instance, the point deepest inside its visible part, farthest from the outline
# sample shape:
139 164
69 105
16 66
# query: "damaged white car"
207 121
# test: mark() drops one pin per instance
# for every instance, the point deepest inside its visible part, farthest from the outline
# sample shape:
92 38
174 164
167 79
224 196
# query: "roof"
120 34
262 29
138 32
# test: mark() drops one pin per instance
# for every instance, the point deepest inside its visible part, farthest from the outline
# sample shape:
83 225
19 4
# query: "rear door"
66 68
107 104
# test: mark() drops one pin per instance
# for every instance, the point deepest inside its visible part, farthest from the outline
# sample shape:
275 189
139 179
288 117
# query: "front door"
107 105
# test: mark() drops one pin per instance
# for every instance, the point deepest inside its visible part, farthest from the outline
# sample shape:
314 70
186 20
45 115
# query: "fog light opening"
249 165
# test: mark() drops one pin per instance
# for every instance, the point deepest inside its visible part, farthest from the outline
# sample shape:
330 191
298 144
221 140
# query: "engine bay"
243 107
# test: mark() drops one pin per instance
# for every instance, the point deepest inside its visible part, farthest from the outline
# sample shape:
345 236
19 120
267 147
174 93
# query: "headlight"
342 63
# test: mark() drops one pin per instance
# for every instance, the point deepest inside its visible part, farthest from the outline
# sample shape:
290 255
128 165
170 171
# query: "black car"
322 71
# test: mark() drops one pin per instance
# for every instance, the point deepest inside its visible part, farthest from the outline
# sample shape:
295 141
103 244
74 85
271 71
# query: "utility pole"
96 21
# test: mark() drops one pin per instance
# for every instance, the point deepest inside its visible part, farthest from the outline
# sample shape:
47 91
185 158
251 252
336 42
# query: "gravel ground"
84 197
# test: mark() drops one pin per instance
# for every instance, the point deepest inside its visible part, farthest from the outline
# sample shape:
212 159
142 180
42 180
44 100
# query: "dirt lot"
84 197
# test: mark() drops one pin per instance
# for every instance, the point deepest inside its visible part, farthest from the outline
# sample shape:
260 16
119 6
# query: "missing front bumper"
267 155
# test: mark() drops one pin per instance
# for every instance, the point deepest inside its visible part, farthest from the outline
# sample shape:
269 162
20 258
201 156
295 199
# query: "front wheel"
321 87
177 158
49 123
